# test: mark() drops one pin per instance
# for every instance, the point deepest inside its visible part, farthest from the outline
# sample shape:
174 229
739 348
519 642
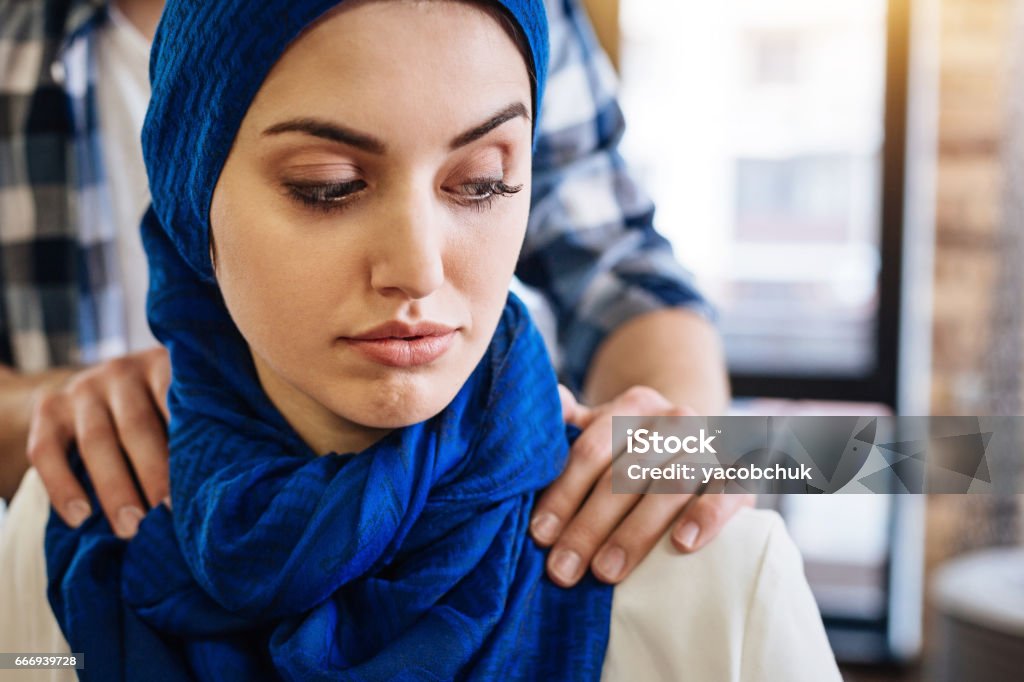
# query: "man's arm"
674 351
633 328
591 247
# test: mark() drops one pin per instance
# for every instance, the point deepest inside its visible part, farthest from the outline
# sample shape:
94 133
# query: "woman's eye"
480 194
325 196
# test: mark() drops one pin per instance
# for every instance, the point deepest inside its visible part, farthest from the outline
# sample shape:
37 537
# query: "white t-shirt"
122 93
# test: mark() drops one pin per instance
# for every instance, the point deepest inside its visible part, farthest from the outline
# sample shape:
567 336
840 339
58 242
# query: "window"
774 57
767 157
775 155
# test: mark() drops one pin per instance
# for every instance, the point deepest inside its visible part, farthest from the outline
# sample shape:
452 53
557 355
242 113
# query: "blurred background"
844 177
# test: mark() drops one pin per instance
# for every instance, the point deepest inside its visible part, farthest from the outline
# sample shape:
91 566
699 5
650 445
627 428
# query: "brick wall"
973 104
973 83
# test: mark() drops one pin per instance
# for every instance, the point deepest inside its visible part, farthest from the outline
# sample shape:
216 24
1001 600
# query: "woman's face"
368 219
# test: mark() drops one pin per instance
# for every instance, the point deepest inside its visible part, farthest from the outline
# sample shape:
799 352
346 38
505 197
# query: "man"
81 367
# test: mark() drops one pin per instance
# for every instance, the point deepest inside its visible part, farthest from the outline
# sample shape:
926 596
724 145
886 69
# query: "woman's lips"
404 352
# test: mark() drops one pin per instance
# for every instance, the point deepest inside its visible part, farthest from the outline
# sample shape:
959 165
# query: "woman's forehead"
351 71
405 27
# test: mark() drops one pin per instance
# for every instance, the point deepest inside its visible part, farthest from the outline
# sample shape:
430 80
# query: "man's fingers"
589 457
634 538
588 530
569 403
572 411
704 517
114 408
142 436
101 454
47 449
159 378
558 503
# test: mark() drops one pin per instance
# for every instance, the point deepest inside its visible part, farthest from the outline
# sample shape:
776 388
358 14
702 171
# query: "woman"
330 246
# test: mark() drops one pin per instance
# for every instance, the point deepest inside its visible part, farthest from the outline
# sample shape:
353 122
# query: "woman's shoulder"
26 621
737 608
722 573
27 514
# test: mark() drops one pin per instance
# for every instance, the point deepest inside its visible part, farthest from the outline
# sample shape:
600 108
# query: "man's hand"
17 394
585 524
116 412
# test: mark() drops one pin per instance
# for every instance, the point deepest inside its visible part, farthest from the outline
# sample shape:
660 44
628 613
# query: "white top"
739 610
122 94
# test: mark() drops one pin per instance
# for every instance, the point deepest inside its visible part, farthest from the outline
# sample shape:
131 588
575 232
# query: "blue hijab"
408 560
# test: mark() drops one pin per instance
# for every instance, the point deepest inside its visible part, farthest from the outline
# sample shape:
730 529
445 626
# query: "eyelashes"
478 194
484 193
324 195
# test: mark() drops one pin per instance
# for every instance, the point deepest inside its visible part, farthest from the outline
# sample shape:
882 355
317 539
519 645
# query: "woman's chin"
397 407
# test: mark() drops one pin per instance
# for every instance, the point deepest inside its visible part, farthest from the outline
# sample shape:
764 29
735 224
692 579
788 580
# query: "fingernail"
544 527
564 564
610 562
167 501
77 512
687 535
128 519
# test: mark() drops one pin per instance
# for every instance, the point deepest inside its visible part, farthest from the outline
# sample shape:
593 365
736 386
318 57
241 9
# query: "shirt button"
57 72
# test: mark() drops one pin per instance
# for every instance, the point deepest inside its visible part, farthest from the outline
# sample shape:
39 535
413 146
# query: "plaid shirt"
591 248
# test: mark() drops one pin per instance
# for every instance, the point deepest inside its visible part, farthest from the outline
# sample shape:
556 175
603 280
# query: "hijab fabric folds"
409 560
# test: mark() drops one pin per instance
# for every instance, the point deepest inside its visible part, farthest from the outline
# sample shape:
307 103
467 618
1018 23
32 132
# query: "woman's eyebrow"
514 110
329 131
335 132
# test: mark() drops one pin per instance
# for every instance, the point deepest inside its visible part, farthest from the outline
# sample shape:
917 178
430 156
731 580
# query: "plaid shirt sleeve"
59 291
591 247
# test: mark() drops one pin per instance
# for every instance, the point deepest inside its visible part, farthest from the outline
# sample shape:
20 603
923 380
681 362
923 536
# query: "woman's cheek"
497 258
269 285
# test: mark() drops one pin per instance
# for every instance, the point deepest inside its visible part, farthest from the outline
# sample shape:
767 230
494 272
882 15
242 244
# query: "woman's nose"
409 254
